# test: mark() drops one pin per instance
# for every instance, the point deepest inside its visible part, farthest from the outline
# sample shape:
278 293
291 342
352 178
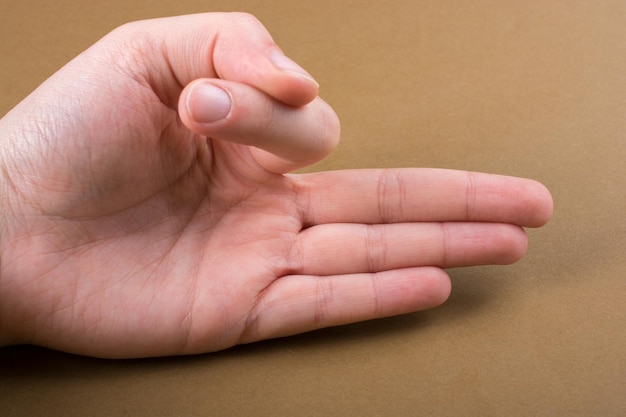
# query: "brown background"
532 88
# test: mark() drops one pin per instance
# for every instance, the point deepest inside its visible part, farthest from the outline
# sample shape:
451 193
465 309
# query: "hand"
147 208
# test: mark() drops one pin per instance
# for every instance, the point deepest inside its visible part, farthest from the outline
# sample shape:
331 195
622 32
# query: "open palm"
147 210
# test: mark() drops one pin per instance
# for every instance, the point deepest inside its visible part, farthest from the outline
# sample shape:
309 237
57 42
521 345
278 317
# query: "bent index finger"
245 52
421 195
172 52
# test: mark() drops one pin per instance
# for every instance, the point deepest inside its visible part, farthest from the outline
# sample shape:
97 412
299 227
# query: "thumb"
283 137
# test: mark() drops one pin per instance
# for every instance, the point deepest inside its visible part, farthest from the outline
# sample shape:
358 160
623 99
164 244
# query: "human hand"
131 225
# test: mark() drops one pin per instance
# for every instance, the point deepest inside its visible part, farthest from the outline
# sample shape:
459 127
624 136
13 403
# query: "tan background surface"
533 88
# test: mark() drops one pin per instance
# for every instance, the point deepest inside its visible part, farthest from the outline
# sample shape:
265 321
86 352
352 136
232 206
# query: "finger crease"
324 296
445 242
470 196
376 250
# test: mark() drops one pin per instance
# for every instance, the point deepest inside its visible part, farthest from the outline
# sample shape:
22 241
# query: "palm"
182 244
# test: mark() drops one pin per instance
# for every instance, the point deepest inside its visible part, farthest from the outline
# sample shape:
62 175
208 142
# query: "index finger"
420 195
171 52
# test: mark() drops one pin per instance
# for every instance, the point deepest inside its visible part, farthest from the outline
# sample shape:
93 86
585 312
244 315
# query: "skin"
133 224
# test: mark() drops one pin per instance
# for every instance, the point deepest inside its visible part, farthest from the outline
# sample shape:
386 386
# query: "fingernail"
283 63
207 103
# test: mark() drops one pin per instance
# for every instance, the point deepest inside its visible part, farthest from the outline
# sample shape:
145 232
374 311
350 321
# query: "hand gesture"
147 205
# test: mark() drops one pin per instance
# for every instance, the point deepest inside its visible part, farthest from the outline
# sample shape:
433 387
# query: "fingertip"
512 245
418 289
288 82
282 62
548 204
520 245
542 205
440 287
